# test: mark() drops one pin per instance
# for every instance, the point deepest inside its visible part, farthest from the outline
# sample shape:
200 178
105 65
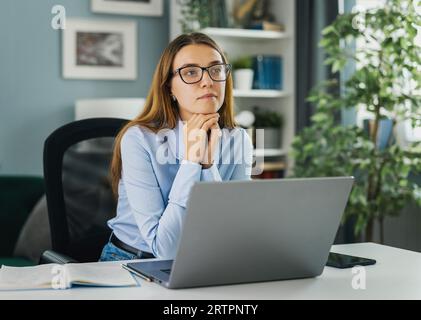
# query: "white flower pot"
243 79
272 138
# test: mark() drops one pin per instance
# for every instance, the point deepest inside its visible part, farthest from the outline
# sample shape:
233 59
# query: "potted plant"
271 122
243 73
386 82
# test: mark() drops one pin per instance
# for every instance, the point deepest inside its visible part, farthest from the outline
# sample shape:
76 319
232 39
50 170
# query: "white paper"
100 274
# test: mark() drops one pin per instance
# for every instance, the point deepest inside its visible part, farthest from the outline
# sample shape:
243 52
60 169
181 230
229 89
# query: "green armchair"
18 196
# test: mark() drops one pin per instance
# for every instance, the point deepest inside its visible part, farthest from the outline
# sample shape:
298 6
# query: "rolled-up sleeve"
160 226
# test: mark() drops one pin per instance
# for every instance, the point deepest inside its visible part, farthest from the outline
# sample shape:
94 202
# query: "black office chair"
77 157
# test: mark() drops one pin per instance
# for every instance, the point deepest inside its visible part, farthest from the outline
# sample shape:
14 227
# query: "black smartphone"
338 260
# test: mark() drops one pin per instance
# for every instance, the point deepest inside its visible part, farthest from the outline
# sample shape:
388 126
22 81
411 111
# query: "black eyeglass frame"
227 65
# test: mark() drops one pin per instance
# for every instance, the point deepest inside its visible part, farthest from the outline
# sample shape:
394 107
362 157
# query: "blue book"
277 73
259 73
263 78
280 72
267 66
267 72
273 72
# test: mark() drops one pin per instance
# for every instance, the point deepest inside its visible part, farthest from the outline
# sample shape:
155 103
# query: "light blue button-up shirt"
156 182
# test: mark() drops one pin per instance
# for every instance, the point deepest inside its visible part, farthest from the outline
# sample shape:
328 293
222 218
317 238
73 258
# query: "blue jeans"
111 253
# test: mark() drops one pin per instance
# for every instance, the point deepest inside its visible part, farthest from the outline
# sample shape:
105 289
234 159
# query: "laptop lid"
259 230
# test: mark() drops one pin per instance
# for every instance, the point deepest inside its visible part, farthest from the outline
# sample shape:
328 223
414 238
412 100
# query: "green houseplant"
386 82
244 62
267 118
243 72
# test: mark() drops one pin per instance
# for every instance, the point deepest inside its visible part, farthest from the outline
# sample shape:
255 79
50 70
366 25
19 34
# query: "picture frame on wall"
99 49
130 7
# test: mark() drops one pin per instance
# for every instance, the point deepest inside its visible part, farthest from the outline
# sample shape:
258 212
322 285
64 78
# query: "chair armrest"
50 256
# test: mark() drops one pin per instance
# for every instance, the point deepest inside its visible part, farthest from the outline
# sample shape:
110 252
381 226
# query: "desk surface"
397 275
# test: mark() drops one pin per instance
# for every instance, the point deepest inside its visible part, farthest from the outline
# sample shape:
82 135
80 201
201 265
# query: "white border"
72 71
154 8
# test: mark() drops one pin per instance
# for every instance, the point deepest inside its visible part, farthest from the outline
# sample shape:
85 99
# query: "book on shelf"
268 70
269 175
267 26
65 276
273 165
273 26
271 170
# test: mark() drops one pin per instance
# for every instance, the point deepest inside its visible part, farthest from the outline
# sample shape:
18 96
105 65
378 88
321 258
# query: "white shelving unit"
259 94
245 34
240 42
269 152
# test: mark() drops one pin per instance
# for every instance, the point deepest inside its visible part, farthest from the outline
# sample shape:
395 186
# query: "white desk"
397 275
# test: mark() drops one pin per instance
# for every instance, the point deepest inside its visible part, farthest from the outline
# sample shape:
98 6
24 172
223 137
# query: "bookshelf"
269 152
259 93
237 43
253 35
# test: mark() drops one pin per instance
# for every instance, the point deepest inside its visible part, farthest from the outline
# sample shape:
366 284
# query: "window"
405 131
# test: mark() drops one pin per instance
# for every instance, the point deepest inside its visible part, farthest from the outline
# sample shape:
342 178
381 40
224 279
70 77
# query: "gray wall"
34 98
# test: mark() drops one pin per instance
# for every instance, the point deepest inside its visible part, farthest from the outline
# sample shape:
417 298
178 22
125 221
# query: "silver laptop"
249 231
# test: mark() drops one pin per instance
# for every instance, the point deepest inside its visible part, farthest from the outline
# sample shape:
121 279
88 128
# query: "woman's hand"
196 139
213 142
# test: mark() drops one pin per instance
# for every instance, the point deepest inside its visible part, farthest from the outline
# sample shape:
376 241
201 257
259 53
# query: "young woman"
186 133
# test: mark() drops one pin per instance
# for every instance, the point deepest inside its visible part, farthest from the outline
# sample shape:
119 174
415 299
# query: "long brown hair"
160 111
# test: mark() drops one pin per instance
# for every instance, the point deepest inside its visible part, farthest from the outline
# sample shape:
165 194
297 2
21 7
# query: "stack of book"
271 170
268 72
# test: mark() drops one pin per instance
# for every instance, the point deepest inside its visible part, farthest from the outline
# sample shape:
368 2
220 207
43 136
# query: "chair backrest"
77 157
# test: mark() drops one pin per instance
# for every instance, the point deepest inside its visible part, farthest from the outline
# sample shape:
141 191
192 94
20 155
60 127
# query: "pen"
136 273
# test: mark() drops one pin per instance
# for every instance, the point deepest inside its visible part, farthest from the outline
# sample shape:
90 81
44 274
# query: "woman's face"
189 96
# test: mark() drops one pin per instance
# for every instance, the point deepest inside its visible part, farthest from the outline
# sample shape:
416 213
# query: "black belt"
121 245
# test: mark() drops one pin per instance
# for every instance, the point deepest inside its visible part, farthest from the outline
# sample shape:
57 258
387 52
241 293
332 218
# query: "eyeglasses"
192 74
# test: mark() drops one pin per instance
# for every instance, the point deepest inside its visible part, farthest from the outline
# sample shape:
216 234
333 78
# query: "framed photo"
132 7
98 49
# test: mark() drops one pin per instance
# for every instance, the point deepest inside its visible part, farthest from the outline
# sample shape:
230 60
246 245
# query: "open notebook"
56 276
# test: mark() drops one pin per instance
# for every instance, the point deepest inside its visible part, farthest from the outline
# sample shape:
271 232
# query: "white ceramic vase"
243 79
